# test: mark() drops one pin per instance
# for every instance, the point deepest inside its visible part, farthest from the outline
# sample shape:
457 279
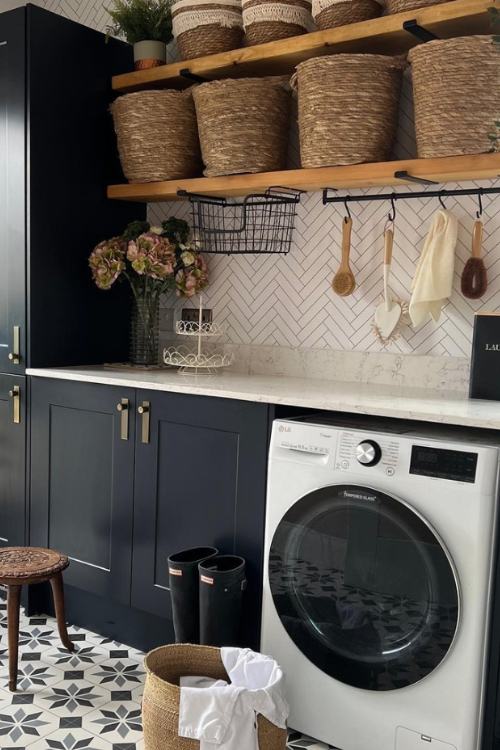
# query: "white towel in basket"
223 716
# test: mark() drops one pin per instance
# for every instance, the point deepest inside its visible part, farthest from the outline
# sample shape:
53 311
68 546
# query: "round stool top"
30 562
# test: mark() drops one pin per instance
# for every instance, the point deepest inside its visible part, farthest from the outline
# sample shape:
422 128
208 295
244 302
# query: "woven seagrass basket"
268 20
206 28
456 95
157 135
160 703
328 14
348 108
398 6
243 124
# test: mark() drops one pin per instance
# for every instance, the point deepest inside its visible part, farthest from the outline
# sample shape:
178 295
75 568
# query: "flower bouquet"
153 260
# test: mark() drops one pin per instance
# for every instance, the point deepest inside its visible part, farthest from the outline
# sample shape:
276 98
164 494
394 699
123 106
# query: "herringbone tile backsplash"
287 300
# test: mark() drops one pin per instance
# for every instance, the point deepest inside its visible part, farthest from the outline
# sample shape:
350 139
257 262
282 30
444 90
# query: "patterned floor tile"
86 700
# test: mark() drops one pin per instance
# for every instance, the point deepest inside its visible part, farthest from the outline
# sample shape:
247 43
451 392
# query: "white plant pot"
149 54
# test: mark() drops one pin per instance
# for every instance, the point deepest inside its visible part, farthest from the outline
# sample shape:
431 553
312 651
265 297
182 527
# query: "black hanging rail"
406 195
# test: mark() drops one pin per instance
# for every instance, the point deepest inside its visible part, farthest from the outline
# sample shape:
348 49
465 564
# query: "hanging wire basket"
260 223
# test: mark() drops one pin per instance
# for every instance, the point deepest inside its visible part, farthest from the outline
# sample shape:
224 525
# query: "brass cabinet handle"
144 411
15 395
122 407
15 354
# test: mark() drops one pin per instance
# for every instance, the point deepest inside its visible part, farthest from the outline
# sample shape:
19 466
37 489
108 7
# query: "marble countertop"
444 407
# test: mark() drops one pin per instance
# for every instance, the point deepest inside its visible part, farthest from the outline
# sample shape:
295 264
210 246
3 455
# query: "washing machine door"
364 587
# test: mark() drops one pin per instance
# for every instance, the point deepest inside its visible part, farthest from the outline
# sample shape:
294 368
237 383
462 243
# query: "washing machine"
378 565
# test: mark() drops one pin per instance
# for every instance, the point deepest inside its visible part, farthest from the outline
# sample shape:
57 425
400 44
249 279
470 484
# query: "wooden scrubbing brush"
474 278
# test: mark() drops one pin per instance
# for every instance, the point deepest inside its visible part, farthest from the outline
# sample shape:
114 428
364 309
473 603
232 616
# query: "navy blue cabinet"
118 491
13 430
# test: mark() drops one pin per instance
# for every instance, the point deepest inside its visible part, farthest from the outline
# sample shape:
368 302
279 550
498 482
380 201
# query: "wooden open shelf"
384 35
449 169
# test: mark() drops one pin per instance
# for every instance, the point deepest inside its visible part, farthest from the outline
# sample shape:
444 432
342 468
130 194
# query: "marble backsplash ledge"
381 368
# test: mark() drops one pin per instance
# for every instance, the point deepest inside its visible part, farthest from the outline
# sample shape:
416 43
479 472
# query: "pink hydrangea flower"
152 255
191 280
107 262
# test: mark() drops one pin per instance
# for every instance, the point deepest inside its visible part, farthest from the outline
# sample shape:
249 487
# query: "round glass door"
364 587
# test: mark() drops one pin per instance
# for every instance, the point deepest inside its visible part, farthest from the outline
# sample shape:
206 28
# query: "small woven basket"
268 20
348 108
206 27
157 135
456 95
160 703
243 124
328 14
398 6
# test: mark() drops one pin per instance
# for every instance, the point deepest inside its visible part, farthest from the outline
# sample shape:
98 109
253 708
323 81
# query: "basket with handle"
206 27
160 704
260 223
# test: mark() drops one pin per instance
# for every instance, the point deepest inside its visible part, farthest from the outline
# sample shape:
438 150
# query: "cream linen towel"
433 280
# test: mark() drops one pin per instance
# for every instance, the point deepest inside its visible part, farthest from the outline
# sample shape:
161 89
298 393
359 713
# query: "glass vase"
144 330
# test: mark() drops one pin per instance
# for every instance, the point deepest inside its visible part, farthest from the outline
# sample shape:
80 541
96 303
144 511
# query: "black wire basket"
260 223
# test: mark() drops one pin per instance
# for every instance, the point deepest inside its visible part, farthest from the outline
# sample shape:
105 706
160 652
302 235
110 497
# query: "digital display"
458 466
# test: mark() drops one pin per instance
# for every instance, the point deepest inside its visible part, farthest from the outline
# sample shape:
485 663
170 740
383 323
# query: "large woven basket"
398 6
202 28
160 703
348 108
328 14
268 20
157 135
243 124
456 94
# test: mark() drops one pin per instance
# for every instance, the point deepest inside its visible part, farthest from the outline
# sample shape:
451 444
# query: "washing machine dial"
368 453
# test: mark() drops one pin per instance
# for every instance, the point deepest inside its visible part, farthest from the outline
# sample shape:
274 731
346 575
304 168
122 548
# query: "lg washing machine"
378 563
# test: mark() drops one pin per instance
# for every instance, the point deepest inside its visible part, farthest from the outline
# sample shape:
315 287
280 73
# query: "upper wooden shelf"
449 169
384 35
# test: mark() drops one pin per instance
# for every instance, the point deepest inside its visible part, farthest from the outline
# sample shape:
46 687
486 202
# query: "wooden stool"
26 565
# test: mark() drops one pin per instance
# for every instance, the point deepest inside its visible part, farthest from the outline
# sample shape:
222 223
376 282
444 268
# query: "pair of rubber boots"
207 592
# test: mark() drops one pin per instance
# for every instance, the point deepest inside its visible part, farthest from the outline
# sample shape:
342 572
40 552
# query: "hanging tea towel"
433 280
222 716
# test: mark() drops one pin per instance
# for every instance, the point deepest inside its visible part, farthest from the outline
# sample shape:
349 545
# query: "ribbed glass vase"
144 329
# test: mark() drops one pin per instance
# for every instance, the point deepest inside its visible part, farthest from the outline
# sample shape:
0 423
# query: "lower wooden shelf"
449 169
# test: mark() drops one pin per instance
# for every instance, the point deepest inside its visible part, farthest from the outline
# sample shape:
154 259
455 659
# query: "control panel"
355 450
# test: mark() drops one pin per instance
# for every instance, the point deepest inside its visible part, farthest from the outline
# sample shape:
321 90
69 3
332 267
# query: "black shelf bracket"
414 28
326 192
404 175
186 73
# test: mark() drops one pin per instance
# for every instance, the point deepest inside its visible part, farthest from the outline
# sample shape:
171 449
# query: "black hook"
440 199
347 208
480 200
392 212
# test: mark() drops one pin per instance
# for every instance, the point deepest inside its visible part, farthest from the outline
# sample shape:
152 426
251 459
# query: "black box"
485 362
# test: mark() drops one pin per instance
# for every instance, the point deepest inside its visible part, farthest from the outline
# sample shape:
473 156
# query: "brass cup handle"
122 407
144 411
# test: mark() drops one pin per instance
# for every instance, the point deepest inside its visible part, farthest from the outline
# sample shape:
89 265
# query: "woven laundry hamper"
160 703
243 124
269 20
206 27
328 14
398 6
456 94
348 108
157 135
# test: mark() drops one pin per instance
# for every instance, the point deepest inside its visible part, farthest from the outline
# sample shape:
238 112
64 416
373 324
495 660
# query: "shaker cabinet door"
200 476
12 460
12 192
82 459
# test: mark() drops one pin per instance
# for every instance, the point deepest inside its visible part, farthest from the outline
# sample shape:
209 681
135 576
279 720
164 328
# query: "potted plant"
153 260
147 25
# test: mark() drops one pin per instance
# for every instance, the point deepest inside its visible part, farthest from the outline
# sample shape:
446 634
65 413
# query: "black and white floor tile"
86 700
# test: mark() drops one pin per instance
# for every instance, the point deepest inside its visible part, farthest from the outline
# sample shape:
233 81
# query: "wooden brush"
474 277
343 282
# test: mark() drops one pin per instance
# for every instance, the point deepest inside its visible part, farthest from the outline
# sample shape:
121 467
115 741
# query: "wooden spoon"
343 282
